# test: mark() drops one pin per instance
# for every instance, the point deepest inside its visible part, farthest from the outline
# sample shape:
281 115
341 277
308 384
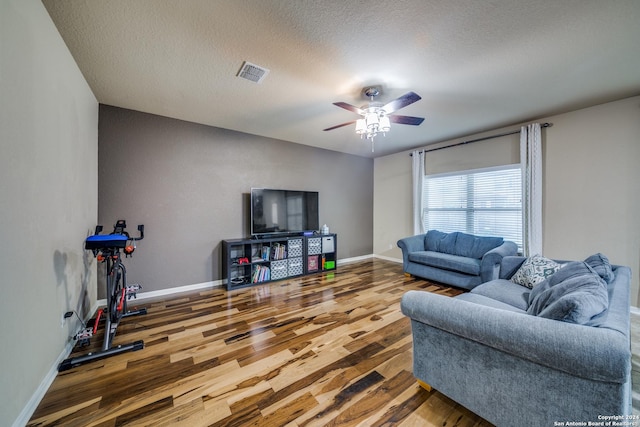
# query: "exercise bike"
108 249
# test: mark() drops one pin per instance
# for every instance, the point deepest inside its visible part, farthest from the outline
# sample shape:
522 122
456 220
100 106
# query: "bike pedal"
84 334
132 291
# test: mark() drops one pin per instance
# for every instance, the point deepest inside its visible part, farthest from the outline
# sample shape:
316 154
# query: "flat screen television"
283 211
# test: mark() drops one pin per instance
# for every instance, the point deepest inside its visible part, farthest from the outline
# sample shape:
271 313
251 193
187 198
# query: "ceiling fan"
377 117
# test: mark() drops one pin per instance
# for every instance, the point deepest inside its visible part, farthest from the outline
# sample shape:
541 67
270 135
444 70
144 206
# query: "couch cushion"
504 291
448 244
475 246
446 261
574 294
489 302
461 244
534 270
600 264
432 240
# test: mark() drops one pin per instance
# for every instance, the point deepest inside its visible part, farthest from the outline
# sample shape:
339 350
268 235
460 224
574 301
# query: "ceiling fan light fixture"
372 120
375 118
385 124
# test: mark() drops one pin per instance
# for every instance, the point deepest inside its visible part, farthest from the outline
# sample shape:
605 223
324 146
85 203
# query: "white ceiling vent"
252 72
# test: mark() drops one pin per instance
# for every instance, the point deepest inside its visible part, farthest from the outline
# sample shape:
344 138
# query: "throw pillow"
470 246
600 264
432 240
575 294
534 270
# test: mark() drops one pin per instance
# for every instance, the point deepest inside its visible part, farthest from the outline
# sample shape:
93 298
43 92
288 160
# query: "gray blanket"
575 293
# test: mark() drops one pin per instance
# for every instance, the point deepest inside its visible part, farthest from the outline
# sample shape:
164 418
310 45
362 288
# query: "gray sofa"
487 351
456 259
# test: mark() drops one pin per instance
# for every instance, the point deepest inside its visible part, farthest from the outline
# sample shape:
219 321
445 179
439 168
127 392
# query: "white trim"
354 259
388 258
634 310
170 291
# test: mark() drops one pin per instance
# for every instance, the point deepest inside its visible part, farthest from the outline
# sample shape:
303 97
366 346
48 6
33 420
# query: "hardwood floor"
325 350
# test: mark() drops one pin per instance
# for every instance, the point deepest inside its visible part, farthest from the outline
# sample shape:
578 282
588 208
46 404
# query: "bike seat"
106 241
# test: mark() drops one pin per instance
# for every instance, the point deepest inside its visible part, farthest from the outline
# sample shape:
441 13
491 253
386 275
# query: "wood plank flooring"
326 350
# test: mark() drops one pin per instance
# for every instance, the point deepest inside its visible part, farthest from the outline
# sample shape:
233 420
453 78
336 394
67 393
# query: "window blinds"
484 202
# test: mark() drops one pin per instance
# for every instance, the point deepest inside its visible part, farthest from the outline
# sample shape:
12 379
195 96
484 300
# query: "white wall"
591 187
48 202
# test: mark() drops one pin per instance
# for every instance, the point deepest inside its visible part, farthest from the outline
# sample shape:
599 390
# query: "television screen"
283 211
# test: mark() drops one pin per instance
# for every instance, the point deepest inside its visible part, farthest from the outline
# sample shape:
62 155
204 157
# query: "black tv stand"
267 258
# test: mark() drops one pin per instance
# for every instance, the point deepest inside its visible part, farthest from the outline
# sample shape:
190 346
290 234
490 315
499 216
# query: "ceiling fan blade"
406 120
403 101
339 126
349 107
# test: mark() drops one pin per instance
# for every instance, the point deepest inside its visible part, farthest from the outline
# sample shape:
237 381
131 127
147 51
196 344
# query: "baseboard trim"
344 261
388 258
364 257
170 291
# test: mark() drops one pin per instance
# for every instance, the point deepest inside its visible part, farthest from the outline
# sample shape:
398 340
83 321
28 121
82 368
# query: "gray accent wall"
189 185
48 203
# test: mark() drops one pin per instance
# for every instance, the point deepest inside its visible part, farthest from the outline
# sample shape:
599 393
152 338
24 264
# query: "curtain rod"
543 125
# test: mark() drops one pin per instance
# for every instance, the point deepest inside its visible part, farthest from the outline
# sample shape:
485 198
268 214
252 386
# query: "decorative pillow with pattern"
534 270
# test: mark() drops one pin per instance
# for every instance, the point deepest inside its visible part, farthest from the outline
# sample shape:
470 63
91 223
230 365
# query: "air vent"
252 72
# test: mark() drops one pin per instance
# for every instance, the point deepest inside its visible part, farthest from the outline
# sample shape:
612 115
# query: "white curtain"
531 164
418 183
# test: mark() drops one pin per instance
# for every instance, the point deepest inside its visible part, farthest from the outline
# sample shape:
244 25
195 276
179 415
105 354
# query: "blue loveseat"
456 259
558 352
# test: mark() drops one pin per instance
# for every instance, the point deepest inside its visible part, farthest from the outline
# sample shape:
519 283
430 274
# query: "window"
486 202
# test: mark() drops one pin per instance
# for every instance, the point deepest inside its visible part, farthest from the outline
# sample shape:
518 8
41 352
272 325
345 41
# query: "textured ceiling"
478 65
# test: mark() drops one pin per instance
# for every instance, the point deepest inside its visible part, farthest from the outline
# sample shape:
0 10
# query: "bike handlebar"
140 232
119 228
